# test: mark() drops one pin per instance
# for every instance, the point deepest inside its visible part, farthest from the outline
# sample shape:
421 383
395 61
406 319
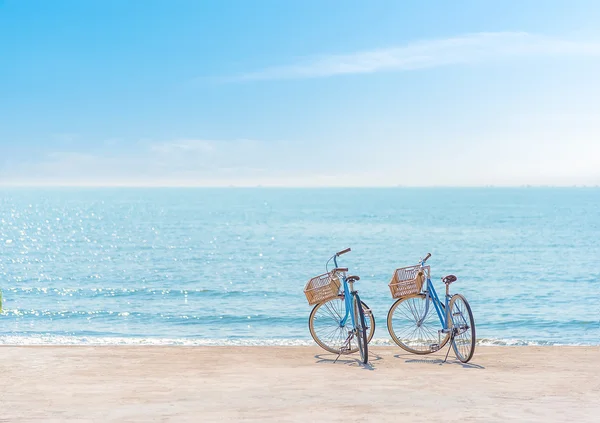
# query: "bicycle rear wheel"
462 320
324 324
412 329
361 330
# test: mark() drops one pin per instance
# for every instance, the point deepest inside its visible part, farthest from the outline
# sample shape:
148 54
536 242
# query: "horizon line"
130 186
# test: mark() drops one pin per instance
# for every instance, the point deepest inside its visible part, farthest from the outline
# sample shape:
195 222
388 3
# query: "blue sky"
311 93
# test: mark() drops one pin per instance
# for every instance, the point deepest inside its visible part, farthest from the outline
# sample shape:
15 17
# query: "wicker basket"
408 281
322 288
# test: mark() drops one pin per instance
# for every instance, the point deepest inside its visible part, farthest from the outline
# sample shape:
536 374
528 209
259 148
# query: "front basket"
322 288
408 281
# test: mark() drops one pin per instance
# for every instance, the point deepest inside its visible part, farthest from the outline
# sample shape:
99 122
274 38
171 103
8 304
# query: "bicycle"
414 326
337 323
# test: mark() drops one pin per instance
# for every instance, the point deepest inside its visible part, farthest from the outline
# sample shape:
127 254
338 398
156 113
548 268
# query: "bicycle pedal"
434 347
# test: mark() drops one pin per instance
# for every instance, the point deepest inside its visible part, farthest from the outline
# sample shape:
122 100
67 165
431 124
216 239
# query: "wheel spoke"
325 326
411 328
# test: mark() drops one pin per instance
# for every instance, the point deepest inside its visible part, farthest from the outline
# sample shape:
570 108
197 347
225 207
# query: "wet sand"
196 384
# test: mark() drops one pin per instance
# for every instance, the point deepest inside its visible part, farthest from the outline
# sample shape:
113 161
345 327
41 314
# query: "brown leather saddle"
449 279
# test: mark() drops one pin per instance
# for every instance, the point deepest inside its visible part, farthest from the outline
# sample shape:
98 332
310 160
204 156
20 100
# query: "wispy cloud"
188 162
506 158
184 146
470 48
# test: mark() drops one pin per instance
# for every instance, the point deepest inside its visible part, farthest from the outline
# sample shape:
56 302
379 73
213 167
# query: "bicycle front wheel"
324 324
412 328
464 326
361 330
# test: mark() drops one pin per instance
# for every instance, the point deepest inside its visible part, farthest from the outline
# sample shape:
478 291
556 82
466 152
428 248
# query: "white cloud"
470 48
175 163
184 146
502 160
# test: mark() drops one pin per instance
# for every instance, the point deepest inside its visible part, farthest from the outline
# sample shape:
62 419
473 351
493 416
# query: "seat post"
351 285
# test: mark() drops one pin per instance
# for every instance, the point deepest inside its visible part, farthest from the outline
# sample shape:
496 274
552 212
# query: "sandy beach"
195 384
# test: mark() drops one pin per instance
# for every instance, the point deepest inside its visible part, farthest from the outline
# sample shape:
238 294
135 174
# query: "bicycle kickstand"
450 343
346 346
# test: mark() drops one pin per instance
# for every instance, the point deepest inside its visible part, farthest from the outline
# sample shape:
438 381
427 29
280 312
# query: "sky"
299 93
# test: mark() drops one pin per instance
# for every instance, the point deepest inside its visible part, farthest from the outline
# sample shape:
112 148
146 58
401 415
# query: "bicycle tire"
361 330
463 343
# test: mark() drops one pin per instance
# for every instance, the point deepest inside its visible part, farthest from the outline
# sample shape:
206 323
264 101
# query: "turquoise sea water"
228 266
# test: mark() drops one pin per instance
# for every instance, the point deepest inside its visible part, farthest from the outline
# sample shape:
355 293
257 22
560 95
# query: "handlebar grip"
340 269
339 253
426 257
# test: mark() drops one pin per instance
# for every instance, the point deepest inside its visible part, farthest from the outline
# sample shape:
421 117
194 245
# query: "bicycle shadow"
349 361
409 358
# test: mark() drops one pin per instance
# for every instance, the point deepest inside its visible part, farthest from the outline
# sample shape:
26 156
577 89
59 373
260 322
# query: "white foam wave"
95 340
132 341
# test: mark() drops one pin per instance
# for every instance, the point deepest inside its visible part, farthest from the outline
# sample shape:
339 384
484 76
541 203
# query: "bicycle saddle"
353 278
449 279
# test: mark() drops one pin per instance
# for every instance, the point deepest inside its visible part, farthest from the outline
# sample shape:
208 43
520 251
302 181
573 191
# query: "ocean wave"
92 292
156 317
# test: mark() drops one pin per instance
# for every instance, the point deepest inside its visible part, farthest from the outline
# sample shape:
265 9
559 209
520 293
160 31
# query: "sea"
227 266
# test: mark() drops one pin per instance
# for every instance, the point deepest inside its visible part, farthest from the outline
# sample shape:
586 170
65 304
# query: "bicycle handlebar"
426 257
335 256
340 269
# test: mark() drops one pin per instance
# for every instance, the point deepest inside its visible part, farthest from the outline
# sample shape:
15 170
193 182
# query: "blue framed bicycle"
339 322
414 320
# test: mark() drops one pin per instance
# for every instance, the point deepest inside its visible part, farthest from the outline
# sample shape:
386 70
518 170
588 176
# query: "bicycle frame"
347 300
431 293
